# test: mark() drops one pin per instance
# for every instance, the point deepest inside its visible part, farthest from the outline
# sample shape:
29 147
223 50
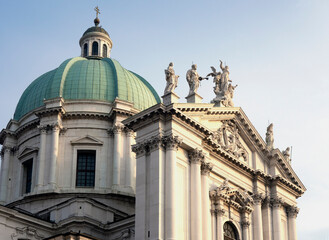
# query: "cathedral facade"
93 153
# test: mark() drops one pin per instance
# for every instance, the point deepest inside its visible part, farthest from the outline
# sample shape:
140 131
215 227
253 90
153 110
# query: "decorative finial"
96 21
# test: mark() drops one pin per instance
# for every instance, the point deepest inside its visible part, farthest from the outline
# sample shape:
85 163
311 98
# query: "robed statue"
193 79
171 78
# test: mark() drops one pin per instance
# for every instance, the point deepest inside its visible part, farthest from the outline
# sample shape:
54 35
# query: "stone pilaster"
292 215
257 217
171 144
277 203
41 157
220 230
196 157
206 217
266 213
4 174
54 156
116 130
129 159
245 229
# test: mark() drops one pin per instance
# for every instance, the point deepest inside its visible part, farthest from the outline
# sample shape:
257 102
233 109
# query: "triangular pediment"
229 129
87 140
26 151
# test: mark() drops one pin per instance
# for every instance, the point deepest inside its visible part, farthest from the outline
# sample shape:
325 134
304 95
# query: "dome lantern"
95 41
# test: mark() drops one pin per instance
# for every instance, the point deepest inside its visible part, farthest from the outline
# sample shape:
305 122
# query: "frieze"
26 232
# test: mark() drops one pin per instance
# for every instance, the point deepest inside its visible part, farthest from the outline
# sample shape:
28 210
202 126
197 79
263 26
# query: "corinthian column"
171 144
129 160
206 218
292 215
196 157
277 218
245 229
4 174
257 217
41 157
117 154
266 212
54 156
220 213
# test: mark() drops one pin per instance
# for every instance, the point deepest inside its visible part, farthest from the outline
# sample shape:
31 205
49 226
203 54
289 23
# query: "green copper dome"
88 79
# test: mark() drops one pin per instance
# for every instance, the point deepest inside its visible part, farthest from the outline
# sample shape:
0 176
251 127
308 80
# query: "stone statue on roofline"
223 89
269 137
171 78
193 79
286 154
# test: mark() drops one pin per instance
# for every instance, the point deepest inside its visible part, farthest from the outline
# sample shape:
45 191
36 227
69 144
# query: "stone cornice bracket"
172 142
206 168
196 156
293 211
277 202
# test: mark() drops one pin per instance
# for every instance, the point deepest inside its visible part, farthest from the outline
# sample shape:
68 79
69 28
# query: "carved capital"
129 132
258 198
139 149
56 127
206 168
293 211
171 142
277 202
116 129
245 223
154 143
196 156
220 212
43 128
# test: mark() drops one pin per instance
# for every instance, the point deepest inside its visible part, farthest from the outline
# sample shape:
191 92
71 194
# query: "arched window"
85 50
104 50
95 48
230 232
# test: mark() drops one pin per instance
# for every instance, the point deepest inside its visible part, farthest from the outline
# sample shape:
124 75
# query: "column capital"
258 198
196 156
219 212
245 223
206 168
116 128
171 142
139 149
129 132
277 202
293 211
42 128
154 143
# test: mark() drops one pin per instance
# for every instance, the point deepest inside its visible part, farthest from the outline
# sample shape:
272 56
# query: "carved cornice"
196 156
86 115
206 168
50 111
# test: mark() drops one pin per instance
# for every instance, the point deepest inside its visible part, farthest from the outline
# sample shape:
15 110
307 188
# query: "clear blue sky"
277 51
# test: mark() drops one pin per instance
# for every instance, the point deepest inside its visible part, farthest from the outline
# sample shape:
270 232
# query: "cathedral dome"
82 78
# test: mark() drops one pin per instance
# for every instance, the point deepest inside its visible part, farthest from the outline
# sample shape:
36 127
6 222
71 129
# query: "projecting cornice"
182 111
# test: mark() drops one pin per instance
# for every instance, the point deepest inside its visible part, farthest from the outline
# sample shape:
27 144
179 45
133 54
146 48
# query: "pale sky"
277 51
